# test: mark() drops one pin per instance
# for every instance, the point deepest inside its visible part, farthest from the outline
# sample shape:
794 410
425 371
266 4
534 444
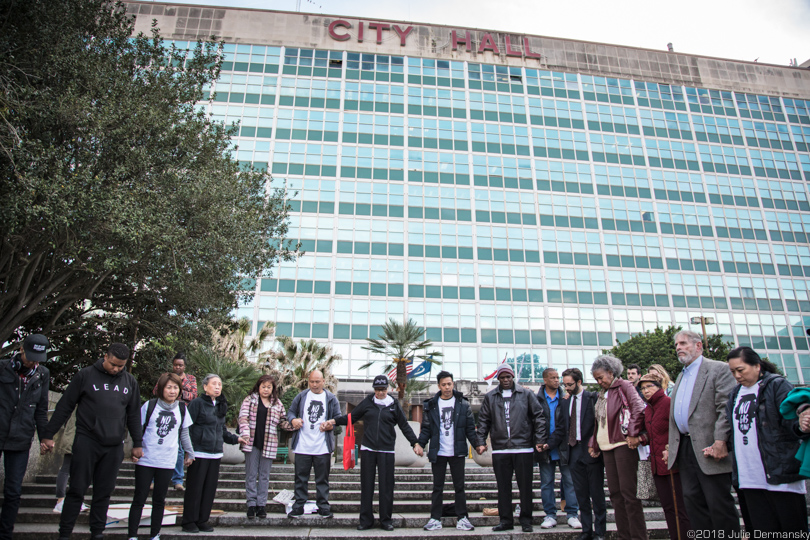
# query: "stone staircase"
36 520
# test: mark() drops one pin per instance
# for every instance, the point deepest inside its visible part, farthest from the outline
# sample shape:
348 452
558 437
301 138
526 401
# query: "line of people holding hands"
703 435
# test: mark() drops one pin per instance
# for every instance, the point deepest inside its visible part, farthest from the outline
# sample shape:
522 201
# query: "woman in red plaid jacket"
259 417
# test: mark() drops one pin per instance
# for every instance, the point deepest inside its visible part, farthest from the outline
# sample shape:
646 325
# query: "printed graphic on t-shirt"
166 421
744 415
447 419
315 411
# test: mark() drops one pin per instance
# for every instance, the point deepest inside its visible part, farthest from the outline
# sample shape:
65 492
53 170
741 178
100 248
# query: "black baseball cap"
36 348
380 381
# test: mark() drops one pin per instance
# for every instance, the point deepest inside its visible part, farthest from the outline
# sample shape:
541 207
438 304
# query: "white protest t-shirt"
750 471
447 438
162 437
311 440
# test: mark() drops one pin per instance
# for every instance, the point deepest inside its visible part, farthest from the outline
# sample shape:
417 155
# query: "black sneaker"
205 527
296 513
261 512
325 514
191 528
251 512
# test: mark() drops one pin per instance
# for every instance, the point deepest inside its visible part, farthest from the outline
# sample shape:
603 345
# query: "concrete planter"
485 459
232 455
405 456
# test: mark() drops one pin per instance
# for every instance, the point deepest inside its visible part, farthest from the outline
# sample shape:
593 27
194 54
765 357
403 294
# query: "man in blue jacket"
448 424
313 442
23 406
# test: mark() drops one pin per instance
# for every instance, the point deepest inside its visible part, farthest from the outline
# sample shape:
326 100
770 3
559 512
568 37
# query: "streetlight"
703 322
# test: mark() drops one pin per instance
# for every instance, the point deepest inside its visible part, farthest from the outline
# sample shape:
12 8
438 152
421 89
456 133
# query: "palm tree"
293 362
232 341
400 344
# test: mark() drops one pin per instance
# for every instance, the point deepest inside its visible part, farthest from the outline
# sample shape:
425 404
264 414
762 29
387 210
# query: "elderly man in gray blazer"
698 436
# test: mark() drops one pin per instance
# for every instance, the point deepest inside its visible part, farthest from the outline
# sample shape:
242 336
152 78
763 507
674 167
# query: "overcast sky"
773 31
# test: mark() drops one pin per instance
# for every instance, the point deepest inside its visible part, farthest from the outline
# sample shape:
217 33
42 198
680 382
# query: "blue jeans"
177 475
15 464
547 489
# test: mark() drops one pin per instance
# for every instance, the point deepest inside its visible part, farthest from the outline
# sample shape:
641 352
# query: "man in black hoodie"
109 403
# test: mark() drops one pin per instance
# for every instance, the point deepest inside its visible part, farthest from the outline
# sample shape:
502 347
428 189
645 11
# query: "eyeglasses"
569 385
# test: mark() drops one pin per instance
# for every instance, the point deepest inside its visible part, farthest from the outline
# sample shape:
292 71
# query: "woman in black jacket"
207 436
380 413
771 491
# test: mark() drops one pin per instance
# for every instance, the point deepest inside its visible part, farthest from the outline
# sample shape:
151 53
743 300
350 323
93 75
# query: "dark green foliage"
125 216
658 347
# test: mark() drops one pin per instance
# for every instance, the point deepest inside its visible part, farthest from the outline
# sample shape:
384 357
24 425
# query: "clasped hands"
328 425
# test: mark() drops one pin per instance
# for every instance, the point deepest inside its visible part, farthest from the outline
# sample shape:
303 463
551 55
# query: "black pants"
143 478
707 497
91 464
774 511
439 474
522 465
14 464
304 464
589 485
201 487
379 464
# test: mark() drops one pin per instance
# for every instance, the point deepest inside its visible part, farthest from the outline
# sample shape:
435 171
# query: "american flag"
392 375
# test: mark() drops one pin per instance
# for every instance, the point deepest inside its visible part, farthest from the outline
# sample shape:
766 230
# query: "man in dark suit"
588 473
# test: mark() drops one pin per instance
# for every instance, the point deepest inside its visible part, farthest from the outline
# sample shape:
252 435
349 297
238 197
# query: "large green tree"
124 214
400 343
658 347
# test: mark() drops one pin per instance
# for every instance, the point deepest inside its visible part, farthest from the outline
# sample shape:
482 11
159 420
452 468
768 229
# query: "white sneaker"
85 508
156 537
549 522
58 508
574 523
464 524
133 538
433 525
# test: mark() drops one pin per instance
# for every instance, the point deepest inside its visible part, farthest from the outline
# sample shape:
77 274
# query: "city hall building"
519 196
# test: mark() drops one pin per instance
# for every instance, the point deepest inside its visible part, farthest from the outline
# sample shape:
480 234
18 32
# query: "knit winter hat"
504 368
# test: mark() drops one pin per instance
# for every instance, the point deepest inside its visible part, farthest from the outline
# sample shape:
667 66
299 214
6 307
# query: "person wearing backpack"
165 425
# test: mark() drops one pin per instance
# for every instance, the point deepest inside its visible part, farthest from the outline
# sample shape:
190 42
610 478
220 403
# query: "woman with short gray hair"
618 415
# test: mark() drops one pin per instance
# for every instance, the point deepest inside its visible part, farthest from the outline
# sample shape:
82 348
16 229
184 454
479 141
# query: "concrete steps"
37 521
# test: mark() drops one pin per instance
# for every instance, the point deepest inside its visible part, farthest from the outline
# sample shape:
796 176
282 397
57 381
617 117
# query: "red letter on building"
360 32
380 27
334 35
509 51
528 52
402 34
466 41
488 44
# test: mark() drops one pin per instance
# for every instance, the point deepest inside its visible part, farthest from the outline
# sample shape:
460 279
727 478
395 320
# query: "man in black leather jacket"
23 407
513 418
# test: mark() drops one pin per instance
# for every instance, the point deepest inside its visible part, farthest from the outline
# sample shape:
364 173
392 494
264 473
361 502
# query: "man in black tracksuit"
23 407
448 424
380 414
107 402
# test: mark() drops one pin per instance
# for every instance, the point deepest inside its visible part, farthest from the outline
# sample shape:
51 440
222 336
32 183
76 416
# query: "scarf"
600 410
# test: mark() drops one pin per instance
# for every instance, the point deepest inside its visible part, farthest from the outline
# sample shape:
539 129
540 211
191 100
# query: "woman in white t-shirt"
165 423
771 490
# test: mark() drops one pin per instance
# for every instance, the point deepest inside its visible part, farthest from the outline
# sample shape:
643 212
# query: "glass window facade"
519 212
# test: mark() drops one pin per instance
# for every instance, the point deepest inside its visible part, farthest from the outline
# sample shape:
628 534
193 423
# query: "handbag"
349 458
624 414
645 486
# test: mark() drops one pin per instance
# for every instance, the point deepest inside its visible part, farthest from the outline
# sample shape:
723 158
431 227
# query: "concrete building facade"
520 196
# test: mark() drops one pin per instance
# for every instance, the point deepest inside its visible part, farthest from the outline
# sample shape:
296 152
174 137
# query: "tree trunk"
402 381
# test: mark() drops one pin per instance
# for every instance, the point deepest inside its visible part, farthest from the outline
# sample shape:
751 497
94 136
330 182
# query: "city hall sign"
483 42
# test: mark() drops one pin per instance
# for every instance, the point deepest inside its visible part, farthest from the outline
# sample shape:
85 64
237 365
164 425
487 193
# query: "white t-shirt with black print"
750 470
447 442
162 437
311 440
